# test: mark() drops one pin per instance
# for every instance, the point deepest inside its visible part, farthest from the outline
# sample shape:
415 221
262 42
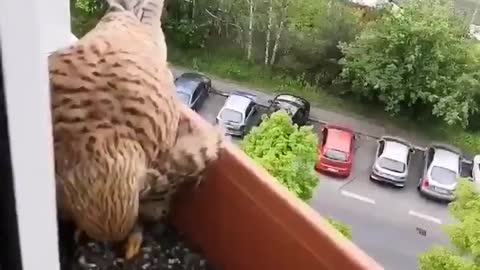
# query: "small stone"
147 249
83 262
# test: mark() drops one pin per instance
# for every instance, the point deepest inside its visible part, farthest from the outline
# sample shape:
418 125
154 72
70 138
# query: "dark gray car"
193 89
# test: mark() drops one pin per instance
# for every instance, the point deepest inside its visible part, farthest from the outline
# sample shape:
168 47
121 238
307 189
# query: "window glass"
336 155
230 115
443 176
391 165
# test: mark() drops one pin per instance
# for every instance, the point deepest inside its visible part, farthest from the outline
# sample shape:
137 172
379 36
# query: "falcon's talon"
133 243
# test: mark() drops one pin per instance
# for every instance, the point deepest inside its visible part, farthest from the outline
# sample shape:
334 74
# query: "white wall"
28 30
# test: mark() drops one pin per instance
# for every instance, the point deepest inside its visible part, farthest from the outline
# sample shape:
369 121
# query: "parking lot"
377 213
358 181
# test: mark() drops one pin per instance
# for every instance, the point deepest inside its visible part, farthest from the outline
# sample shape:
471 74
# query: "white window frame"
29 30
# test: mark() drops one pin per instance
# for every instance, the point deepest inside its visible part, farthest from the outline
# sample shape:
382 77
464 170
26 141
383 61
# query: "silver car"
441 172
237 113
392 161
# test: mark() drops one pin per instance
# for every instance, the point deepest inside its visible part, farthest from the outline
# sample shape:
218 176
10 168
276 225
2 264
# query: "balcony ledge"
242 218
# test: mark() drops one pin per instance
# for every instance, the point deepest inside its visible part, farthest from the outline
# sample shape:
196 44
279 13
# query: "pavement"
393 225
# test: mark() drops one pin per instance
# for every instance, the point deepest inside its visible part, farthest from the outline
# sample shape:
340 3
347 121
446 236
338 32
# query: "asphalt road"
392 225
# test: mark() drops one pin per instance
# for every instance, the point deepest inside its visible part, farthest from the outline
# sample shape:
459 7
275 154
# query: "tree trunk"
277 42
219 23
474 15
269 32
193 10
250 30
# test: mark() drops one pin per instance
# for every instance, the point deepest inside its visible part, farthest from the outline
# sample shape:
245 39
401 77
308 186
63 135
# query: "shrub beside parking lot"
288 153
469 142
464 235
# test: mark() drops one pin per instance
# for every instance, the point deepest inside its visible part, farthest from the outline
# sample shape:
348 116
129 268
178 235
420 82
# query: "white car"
237 114
392 161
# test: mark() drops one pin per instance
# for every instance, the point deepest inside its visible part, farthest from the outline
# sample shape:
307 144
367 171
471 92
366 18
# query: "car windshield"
391 165
335 155
443 176
184 97
229 115
285 105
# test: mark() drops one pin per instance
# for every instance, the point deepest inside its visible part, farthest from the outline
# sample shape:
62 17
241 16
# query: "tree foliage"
464 235
289 154
315 29
286 151
85 14
415 59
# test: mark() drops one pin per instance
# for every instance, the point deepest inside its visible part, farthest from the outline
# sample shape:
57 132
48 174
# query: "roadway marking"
358 197
424 216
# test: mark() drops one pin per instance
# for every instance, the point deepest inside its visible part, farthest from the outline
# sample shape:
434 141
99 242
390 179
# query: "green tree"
464 235
315 29
289 154
286 151
416 60
85 14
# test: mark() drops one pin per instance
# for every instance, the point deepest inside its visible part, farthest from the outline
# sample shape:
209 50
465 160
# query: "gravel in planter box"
162 249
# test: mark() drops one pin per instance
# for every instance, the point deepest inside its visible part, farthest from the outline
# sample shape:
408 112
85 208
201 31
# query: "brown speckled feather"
195 150
114 112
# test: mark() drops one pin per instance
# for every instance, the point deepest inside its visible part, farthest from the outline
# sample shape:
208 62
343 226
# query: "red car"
335 152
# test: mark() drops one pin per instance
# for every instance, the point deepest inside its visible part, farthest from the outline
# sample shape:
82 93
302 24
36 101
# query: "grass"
228 65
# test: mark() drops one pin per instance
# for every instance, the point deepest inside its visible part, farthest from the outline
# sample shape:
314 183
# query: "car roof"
192 76
446 159
290 108
187 86
338 139
396 151
237 102
291 98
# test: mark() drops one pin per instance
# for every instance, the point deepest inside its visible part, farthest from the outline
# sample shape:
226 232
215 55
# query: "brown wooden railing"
241 218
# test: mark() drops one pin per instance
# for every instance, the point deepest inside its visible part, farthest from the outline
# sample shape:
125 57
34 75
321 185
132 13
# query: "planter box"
241 218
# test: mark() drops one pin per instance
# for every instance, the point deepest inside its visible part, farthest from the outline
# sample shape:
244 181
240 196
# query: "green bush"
464 234
85 15
286 151
415 62
289 153
344 229
186 34
468 142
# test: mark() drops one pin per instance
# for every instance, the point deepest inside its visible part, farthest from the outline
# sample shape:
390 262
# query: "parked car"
476 170
335 152
441 172
237 114
193 89
297 107
392 161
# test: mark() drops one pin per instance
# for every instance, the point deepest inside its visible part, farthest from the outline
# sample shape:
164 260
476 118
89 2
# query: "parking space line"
424 216
358 197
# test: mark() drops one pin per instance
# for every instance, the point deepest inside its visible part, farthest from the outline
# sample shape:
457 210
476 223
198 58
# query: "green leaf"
289 153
